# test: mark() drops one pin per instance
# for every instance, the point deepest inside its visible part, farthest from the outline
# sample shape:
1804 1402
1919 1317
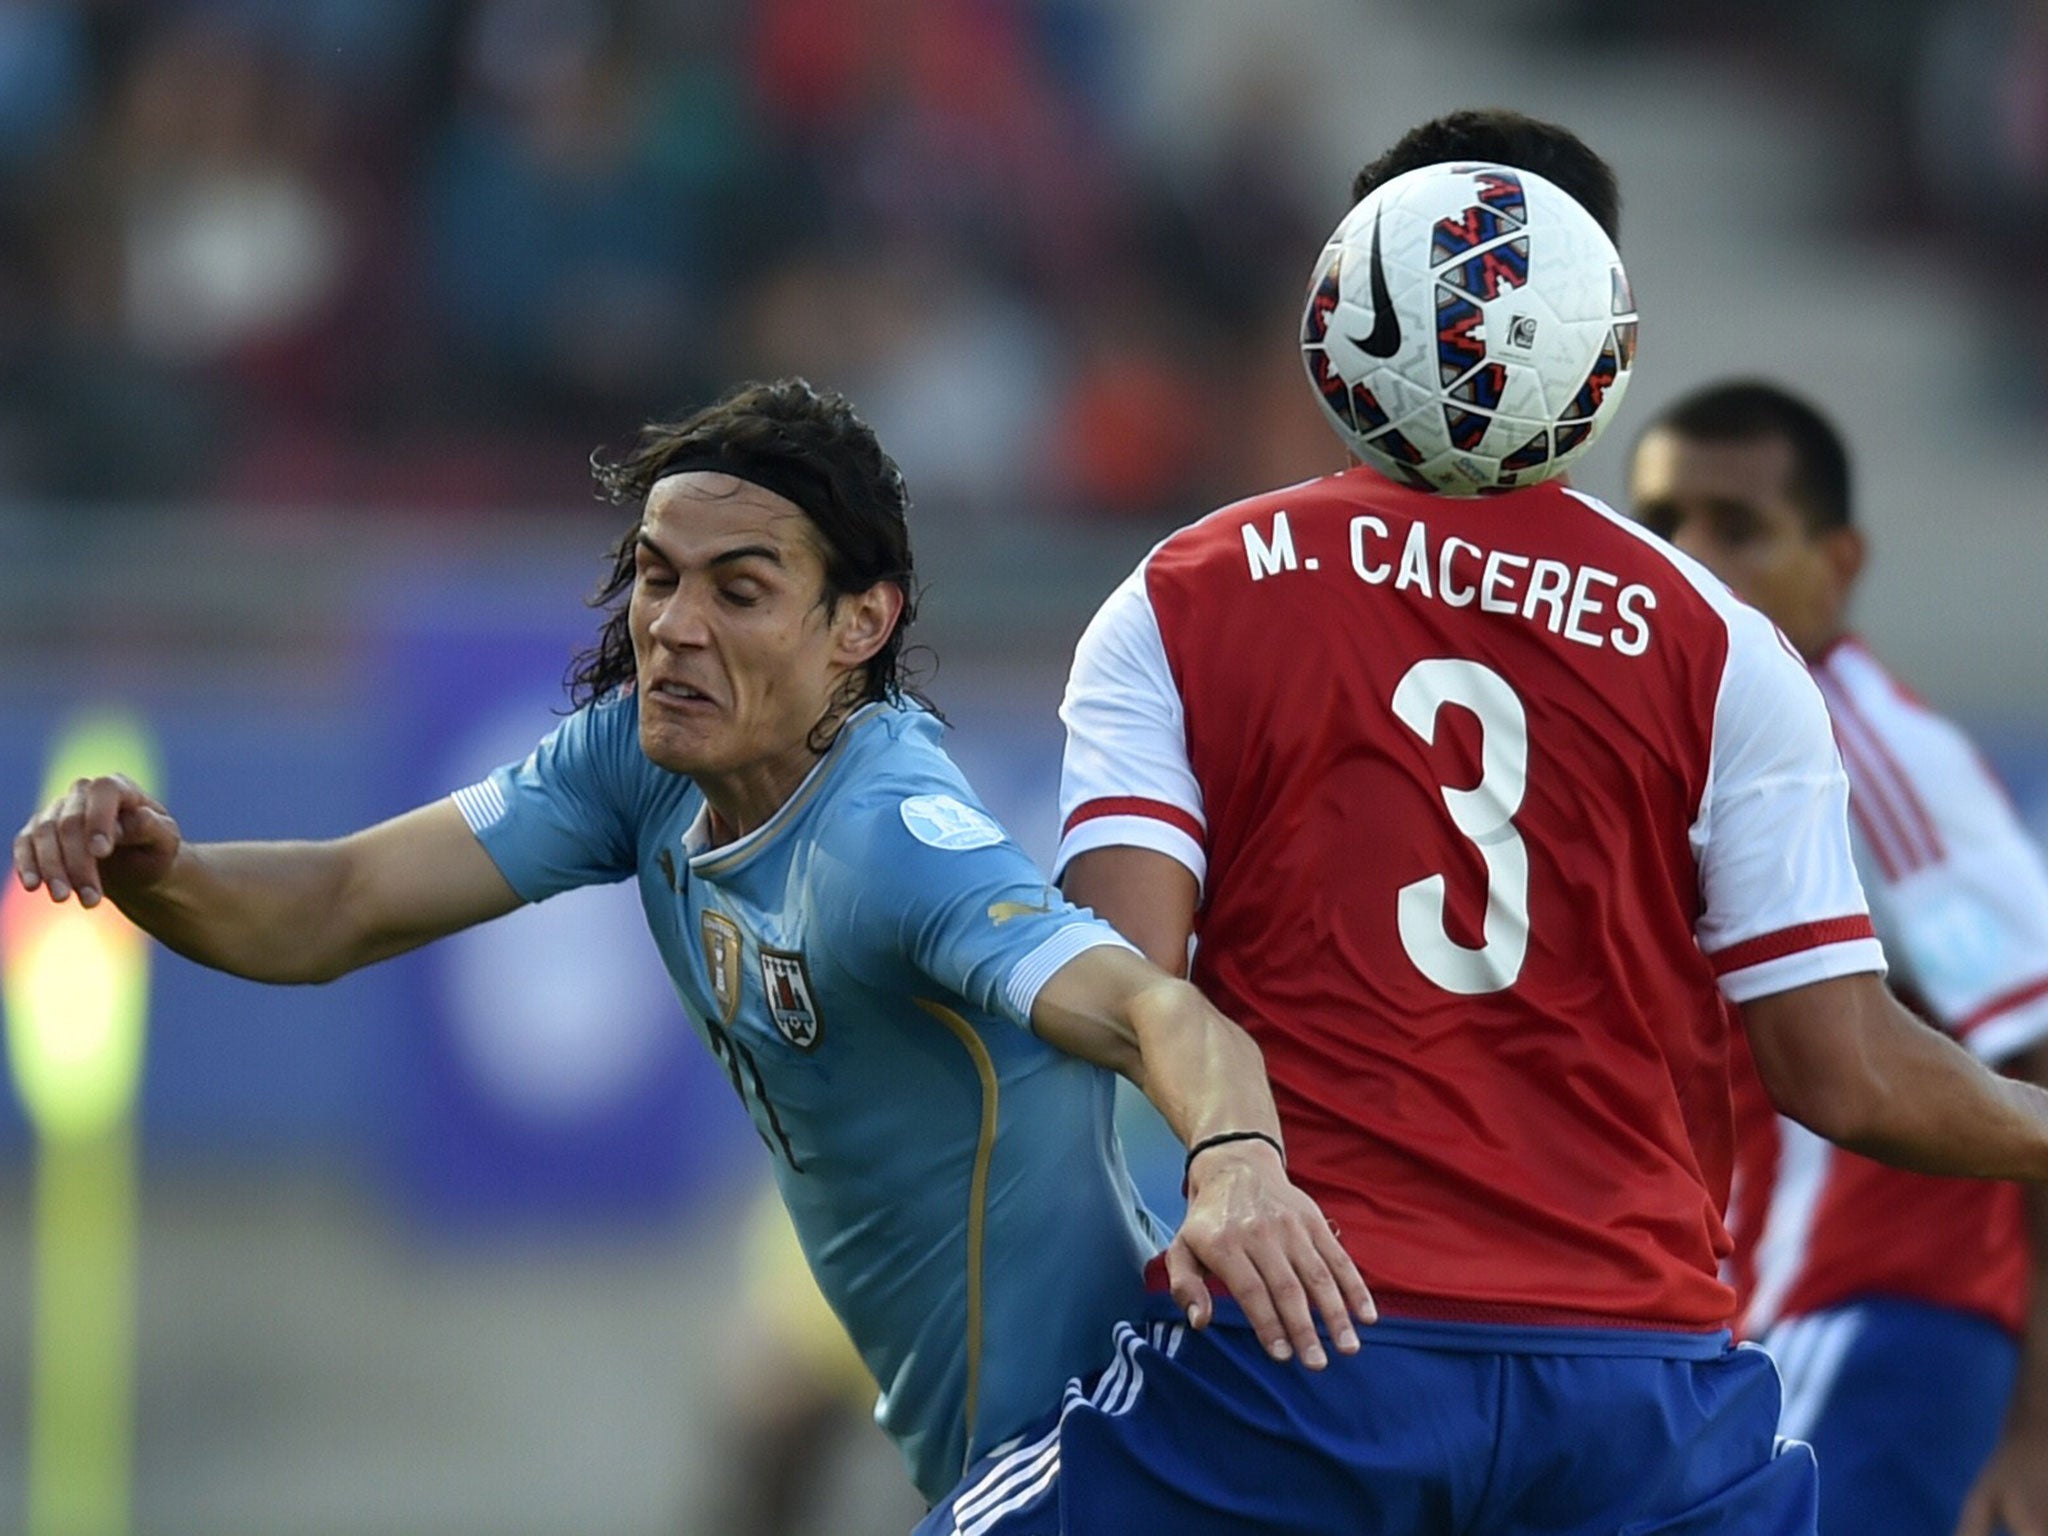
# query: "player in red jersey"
1895 1303
1479 809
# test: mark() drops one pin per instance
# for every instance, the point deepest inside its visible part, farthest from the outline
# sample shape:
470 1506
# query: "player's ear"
1846 553
865 621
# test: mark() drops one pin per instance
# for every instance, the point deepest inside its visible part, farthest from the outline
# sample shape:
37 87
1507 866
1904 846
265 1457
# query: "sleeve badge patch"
940 821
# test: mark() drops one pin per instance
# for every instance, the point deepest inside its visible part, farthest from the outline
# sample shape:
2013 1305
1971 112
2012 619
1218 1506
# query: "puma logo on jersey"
1000 912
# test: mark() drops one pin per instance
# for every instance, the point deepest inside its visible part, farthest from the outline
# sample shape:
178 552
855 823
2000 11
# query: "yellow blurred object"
75 980
790 1315
76 989
75 984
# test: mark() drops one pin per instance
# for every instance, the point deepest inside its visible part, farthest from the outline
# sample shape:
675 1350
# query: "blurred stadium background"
310 313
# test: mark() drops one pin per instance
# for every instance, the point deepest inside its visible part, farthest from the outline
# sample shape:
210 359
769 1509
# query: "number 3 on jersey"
1485 814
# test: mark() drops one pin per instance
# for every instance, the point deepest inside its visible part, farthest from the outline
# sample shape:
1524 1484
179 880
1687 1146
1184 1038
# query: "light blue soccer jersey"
863 965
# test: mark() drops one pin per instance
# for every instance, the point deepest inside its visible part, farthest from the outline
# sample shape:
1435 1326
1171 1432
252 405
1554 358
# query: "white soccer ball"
1469 329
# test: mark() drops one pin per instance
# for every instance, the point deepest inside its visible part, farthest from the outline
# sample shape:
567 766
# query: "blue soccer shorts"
1901 1402
1431 1428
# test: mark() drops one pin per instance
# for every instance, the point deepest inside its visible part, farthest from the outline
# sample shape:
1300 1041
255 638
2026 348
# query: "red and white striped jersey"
1960 898
1492 802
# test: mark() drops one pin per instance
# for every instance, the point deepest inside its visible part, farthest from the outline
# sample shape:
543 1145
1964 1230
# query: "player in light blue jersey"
919 1026
861 963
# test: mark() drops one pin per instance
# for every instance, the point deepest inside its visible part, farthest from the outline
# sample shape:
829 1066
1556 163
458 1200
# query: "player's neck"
745 799
1819 651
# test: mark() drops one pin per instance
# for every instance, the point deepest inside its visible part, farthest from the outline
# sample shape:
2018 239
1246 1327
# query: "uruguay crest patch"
787 986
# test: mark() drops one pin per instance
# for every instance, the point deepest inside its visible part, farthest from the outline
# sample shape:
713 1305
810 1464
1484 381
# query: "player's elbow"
1159 1015
1841 1097
1172 1015
309 958
323 947
1851 1109
281 966
1815 1051
321 969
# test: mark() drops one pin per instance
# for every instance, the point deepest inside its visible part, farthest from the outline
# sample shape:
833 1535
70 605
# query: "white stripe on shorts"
1810 1351
1023 1476
998 1491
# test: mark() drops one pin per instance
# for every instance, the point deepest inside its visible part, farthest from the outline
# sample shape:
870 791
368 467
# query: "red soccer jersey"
1960 899
1492 802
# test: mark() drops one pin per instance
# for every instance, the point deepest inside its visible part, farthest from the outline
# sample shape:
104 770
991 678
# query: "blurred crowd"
428 253
1947 99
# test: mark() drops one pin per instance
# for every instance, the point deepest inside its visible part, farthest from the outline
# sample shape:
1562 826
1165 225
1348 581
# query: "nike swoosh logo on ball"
1385 339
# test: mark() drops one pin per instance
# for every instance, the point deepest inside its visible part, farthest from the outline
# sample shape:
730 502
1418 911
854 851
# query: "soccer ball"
1469 329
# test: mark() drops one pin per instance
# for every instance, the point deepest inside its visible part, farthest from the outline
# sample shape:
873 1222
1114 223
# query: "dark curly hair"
811 440
1500 137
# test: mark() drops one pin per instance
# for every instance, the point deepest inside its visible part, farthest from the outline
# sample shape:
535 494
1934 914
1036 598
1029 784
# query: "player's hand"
102 834
1269 1244
2011 1495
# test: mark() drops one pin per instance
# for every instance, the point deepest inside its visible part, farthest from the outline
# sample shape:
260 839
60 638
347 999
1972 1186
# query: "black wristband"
1218 1140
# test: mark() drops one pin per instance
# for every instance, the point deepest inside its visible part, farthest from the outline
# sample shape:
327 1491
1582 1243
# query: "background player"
886 978
1479 882
1893 1302
794 1449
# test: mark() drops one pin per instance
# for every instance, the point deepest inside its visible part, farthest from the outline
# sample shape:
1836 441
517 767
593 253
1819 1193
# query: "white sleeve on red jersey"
1126 780
1782 905
1959 889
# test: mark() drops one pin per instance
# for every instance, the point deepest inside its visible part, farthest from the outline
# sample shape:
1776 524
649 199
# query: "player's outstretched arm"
2011 1493
281 912
1246 1223
1846 1061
